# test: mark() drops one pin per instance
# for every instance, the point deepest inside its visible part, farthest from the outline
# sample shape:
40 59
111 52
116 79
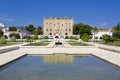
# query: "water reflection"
59 58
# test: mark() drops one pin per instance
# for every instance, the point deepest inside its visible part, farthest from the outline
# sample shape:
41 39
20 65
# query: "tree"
116 34
39 30
12 28
13 39
29 39
16 35
30 28
85 37
2 40
106 38
116 28
81 28
35 37
1 33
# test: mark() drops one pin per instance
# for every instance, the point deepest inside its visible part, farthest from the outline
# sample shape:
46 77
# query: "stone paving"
106 55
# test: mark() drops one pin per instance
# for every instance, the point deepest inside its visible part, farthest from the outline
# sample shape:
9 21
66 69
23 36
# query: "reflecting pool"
59 67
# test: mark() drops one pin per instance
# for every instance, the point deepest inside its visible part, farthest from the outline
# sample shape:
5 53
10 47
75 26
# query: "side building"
58 27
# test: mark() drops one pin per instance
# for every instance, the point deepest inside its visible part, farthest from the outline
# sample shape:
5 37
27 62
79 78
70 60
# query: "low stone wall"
8 49
110 49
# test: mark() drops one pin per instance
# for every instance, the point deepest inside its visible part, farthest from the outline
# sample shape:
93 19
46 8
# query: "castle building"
58 27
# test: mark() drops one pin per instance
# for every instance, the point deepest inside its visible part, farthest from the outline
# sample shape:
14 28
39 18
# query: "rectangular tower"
58 26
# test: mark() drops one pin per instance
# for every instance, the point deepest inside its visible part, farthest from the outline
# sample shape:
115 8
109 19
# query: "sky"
97 13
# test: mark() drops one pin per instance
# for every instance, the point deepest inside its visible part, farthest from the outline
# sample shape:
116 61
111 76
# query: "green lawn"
9 43
111 43
78 44
38 44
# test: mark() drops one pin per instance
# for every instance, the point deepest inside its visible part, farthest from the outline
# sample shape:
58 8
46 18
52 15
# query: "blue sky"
99 13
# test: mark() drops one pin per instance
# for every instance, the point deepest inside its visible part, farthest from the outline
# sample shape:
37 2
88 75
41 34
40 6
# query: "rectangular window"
46 29
65 29
69 29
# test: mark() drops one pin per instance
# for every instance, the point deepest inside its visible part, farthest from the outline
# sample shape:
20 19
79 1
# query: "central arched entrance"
56 36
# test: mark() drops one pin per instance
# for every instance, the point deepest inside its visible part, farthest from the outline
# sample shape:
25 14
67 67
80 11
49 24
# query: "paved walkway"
106 55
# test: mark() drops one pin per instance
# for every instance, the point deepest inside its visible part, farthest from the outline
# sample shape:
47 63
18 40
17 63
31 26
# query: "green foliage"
75 38
2 40
71 37
85 37
12 28
17 36
101 38
29 39
35 37
5 36
96 37
39 30
1 33
30 28
13 39
46 37
116 34
108 38
81 28
116 28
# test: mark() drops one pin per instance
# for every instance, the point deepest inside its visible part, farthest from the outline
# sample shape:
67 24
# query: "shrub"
85 37
71 37
2 40
13 39
17 36
46 37
5 36
116 34
66 37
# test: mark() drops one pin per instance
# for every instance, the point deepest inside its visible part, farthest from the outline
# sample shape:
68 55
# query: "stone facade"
58 26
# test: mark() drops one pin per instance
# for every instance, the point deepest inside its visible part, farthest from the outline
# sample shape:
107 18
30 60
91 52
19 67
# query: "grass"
38 44
9 43
111 43
78 44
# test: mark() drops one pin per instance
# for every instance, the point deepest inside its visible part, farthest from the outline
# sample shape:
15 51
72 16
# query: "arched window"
50 33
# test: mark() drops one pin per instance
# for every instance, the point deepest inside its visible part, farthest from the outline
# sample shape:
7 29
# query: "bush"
13 39
2 40
116 34
108 38
71 37
66 37
5 36
1 33
29 39
46 37
85 37
17 36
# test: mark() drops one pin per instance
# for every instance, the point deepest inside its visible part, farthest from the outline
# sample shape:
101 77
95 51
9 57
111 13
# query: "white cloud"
104 24
7 19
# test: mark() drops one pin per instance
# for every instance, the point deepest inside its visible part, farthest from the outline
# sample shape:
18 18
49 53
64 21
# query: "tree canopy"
12 28
39 30
81 28
1 33
30 28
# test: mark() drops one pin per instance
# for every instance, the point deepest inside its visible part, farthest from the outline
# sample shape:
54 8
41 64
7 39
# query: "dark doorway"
56 37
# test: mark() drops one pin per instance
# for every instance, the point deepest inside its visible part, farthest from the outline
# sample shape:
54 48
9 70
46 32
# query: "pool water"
59 67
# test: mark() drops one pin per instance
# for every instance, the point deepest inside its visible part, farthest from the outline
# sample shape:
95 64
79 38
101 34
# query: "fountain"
58 44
